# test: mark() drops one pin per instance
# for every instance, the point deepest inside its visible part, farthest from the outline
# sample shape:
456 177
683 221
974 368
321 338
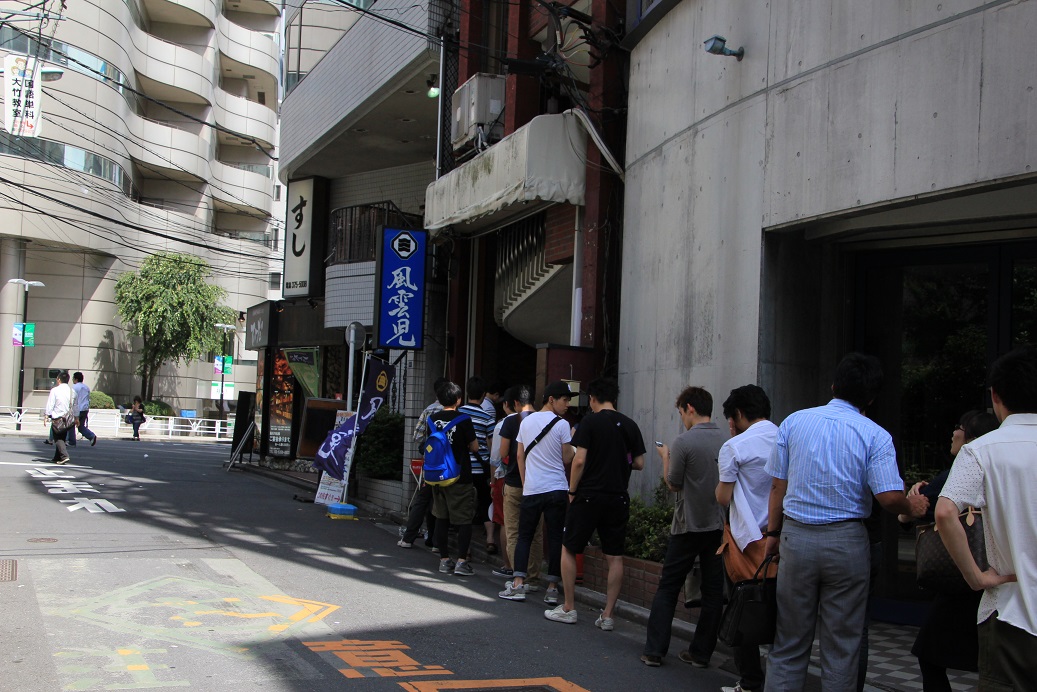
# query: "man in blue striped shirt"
828 462
483 422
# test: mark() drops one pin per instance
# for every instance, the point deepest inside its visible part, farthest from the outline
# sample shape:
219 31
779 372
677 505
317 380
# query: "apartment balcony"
540 164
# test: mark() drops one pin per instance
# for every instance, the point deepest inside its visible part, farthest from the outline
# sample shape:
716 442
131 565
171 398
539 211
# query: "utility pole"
21 357
223 362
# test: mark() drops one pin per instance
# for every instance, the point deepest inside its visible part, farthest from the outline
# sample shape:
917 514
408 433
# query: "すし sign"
400 292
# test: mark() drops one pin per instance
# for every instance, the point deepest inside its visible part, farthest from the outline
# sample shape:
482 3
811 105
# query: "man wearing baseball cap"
543 451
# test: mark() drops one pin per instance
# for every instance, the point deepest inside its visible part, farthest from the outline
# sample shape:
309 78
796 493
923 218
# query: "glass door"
936 318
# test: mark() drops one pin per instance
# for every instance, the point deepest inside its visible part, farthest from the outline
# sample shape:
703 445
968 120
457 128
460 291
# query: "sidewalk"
891 667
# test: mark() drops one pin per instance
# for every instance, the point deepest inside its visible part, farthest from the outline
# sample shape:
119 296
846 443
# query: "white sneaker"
560 614
736 688
404 544
512 592
603 623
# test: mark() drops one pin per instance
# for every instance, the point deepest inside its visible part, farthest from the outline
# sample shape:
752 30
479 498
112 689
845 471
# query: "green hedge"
379 451
158 408
649 529
100 400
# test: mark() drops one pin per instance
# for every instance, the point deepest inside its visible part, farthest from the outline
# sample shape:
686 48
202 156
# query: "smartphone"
658 443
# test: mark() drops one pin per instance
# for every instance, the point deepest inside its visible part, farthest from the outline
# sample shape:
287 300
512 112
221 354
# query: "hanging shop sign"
305 237
400 290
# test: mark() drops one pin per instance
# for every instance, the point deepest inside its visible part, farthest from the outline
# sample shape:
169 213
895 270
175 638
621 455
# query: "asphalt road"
148 566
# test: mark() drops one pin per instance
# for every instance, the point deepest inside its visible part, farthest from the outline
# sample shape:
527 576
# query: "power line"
126 87
126 224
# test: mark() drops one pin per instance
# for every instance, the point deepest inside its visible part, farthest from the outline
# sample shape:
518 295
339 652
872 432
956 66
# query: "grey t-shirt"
693 468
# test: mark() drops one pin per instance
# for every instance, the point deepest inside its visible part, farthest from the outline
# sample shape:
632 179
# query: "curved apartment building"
159 135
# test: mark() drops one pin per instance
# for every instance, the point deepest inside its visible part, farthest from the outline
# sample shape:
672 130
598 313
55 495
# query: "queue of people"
795 495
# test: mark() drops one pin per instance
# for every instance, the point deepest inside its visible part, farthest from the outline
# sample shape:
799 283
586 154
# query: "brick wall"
640 581
387 495
559 226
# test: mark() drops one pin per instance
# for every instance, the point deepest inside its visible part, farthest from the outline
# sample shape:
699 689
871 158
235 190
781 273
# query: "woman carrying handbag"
948 638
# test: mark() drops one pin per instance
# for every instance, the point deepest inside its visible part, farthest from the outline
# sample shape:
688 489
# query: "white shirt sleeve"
964 486
727 463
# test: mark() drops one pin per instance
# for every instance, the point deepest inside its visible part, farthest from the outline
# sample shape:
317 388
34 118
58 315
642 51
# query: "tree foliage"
170 306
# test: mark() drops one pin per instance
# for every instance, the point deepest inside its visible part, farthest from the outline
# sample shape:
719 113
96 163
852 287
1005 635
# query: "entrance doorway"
936 319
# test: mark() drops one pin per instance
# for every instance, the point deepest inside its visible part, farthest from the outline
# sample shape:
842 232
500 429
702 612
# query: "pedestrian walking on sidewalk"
608 447
136 416
60 402
83 401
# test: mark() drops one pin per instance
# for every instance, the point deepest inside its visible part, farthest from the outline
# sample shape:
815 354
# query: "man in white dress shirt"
995 472
745 487
62 399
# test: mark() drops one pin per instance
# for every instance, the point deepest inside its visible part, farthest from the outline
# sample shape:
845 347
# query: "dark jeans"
551 506
420 510
680 556
747 659
464 538
71 438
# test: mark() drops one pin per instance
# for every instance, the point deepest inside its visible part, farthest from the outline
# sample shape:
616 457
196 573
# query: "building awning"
540 164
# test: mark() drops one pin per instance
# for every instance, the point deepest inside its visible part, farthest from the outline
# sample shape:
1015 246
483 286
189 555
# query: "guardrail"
112 423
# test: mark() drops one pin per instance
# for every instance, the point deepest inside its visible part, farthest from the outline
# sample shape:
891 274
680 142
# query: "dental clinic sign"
400 291
22 95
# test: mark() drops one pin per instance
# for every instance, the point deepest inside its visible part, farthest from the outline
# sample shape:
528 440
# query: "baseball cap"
558 390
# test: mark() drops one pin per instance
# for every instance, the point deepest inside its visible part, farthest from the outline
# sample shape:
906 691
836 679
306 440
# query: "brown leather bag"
741 565
935 567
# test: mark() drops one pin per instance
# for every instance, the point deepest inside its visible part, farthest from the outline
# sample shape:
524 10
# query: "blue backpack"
440 467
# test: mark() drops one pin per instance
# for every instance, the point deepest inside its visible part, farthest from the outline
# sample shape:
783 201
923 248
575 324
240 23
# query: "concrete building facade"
161 135
864 179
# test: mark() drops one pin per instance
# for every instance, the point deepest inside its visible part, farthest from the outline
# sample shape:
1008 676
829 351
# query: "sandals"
491 549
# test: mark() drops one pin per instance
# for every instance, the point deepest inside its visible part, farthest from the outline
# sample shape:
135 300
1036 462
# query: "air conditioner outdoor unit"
479 102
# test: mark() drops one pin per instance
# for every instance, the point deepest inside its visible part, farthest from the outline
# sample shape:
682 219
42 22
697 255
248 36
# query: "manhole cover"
8 570
43 540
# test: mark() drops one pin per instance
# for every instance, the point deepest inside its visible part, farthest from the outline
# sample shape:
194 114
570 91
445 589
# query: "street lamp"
223 359
21 359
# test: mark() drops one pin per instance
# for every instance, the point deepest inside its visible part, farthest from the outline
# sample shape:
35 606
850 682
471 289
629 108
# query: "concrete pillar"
12 265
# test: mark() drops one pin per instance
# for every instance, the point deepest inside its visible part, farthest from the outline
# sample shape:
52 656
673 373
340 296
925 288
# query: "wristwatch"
573 493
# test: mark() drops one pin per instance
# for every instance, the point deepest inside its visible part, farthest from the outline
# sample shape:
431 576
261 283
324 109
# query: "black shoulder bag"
541 435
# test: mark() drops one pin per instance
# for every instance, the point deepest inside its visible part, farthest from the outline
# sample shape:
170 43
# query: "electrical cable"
126 87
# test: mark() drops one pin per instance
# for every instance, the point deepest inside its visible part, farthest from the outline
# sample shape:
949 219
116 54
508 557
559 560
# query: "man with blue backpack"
448 469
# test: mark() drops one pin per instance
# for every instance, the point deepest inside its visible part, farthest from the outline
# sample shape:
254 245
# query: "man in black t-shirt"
521 398
608 447
455 503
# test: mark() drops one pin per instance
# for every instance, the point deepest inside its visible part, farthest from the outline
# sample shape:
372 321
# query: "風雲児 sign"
400 292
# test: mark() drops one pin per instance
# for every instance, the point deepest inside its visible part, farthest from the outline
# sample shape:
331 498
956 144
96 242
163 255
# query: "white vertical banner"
22 94
298 237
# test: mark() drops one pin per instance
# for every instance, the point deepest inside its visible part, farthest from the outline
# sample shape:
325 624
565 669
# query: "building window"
275 280
277 193
45 379
67 156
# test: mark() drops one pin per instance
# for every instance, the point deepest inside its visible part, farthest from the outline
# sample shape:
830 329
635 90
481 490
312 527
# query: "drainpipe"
577 305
